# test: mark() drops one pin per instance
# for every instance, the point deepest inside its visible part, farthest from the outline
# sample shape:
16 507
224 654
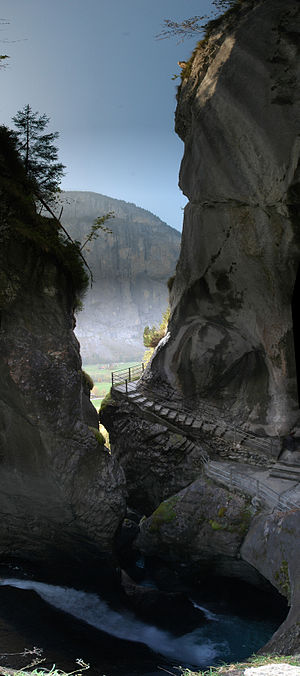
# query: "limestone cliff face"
230 344
231 332
62 496
130 266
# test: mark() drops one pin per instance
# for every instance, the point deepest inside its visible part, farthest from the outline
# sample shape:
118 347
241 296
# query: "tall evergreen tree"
38 152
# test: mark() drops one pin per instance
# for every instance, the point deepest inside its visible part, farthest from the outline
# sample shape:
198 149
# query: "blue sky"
95 68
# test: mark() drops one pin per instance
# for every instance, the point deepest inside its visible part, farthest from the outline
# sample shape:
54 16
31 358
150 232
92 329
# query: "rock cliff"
231 352
231 338
62 496
131 267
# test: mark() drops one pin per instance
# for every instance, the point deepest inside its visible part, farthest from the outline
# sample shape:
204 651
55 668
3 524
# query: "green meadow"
101 375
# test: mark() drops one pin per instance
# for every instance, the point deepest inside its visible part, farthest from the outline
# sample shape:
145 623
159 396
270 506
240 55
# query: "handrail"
250 485
206 414
131 374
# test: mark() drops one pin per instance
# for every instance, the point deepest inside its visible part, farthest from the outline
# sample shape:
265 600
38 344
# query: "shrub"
87 380
151 337
108 400
19 219
98 436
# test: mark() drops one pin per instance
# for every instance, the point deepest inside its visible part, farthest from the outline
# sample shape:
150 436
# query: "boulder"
200 523
172 611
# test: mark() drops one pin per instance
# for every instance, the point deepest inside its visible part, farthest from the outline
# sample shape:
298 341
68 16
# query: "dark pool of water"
68 623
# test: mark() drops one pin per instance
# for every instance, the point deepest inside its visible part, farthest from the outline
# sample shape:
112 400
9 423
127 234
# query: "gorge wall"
62 496
131 267
230 336
234 303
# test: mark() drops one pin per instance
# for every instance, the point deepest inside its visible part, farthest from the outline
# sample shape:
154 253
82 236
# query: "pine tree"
38 152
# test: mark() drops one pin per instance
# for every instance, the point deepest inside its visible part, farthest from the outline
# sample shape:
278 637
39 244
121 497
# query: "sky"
97 70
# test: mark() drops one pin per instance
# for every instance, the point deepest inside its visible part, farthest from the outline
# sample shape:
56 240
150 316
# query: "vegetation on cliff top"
37 151
19 217
152 336
190 27
195 24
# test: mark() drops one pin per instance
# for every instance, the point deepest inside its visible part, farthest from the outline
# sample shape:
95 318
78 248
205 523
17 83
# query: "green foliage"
254 661
107 401
37 151
188 28
20 220
215 525
98 225
98 436
152 336
164 513
227 8
283 579
105 435
87 380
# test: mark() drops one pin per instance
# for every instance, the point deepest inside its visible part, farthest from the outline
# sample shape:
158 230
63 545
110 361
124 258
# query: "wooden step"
164 412
189 421
148 404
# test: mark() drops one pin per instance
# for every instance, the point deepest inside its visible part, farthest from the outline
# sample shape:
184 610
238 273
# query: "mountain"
130 265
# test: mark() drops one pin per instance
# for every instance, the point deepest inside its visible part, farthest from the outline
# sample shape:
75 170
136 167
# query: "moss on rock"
164 513
98 436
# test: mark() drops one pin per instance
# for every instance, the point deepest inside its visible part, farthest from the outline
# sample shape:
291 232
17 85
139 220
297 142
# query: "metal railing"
125 376
250 485
206 414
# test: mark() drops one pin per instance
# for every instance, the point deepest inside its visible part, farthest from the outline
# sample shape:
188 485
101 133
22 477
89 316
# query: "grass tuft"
254 661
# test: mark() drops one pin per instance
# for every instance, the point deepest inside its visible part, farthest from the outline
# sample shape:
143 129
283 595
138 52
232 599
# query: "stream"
226 636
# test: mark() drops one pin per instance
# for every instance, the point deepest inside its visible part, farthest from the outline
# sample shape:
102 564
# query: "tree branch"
60 225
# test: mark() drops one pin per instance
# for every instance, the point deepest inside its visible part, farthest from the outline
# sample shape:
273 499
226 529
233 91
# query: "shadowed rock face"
272 546
62 496
231 332
130 266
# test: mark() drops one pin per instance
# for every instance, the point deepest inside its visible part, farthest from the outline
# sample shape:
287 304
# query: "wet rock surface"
172 611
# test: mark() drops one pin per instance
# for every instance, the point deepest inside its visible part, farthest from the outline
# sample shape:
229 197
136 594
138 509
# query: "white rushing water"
89 607
207 613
